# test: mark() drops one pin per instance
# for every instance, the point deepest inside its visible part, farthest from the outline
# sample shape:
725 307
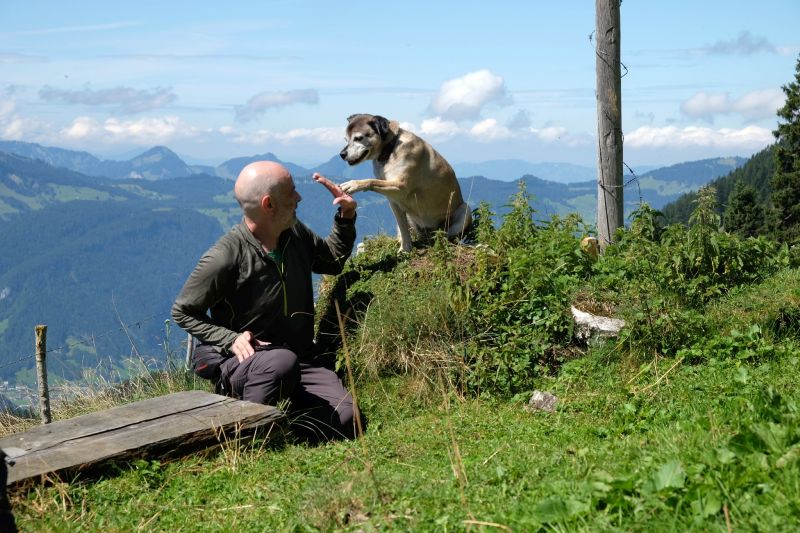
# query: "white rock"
542 401
592 326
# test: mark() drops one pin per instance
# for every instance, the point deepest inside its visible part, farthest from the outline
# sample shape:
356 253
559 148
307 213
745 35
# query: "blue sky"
479 80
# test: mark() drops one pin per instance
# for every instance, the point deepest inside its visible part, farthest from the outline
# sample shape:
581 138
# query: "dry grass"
98 392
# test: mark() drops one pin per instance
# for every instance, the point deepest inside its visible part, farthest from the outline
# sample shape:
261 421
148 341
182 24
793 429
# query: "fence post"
41 373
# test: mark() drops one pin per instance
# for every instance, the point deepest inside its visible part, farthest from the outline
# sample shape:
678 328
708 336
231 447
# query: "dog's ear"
351 117
381 125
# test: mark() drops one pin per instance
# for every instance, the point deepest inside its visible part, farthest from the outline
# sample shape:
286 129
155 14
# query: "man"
250 302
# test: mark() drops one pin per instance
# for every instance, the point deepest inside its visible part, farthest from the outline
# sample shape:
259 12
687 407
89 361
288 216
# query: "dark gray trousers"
320 407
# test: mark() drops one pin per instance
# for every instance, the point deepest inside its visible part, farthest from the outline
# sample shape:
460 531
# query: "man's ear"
266 202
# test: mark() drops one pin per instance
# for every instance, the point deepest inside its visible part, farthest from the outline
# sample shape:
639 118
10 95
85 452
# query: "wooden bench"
157 428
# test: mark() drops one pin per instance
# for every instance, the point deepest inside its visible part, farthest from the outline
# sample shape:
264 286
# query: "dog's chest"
394 170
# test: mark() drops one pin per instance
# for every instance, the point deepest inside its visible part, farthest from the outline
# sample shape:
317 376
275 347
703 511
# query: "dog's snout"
343 153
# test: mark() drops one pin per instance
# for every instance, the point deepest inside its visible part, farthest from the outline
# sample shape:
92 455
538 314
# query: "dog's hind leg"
460 222
403 231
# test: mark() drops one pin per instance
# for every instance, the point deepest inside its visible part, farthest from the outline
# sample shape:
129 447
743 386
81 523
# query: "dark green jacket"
237 287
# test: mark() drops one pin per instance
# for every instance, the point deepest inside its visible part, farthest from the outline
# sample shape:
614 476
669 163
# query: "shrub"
518 297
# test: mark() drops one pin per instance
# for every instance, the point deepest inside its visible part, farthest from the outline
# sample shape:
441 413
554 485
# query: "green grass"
30 202
664 188
227 217
141 191
700 433
68 193
608 459
773 305
6 209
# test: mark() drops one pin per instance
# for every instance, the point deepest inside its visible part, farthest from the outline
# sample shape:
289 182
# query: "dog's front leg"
403 231
354 186
381 186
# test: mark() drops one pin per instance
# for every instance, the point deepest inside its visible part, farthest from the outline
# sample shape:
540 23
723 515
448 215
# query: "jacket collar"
255 243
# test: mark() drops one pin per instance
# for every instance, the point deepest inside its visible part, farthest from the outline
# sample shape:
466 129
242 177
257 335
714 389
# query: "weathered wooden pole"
609 120
41 373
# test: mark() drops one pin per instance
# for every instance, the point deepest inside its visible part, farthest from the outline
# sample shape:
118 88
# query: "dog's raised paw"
349 187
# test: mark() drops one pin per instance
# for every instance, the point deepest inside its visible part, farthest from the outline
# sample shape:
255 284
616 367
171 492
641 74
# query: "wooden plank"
47 435
155 428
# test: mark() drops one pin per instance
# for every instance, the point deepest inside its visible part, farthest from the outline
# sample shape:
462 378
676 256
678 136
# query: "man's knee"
282 363
281 367
267 377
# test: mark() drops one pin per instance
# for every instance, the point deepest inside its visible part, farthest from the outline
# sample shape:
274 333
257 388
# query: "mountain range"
98 249
160 162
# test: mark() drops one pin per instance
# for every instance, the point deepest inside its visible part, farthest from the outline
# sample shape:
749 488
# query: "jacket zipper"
282 271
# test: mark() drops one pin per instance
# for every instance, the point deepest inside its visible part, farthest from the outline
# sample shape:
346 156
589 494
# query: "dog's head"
365 136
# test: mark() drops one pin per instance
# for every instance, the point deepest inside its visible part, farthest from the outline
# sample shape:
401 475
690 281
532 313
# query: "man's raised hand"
340 198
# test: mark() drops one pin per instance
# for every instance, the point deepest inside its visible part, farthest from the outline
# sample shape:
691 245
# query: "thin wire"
70 345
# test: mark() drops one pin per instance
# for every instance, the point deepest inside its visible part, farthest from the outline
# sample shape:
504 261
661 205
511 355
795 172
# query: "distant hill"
756 172
694 174
158 162
657 188
513 169
231 168
82 162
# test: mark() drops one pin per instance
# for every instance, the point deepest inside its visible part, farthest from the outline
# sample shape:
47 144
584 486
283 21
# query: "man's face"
284 203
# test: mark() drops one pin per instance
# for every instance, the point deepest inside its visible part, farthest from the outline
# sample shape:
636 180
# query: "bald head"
256 180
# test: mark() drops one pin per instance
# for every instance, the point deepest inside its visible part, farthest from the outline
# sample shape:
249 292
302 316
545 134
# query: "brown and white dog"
421 186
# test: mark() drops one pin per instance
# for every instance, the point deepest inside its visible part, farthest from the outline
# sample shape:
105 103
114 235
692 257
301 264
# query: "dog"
420 184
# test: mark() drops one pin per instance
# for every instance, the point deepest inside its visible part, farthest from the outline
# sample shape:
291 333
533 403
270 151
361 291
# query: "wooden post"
41 373
609 120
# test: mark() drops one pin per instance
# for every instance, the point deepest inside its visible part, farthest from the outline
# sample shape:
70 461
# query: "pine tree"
744 215
786 181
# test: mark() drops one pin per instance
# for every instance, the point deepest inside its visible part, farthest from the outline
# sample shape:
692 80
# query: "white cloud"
325 136
123 99
78 29
760 104
465 97
81 128
754 105
260 102
550 133
437 128
7 108
489 130
748 138
8 59
705 106
141 131
15 129
13 126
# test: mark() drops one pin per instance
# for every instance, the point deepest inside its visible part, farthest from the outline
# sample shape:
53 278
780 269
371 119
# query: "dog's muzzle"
354 153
